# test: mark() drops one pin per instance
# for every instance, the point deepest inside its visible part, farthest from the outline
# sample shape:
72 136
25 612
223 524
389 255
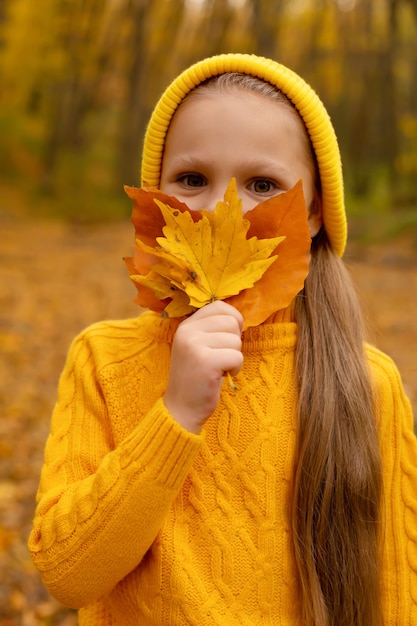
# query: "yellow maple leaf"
185 259
208 260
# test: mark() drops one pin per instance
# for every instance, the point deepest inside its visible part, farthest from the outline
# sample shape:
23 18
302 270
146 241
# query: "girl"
166 498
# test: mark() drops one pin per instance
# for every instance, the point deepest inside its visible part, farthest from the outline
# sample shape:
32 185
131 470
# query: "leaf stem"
231 382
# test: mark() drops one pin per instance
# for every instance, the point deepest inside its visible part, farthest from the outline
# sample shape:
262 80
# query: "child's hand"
206 345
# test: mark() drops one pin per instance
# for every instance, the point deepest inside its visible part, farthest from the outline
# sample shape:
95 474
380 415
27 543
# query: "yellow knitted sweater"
141 522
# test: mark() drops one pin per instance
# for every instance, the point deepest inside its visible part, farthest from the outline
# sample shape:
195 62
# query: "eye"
263 186
192 180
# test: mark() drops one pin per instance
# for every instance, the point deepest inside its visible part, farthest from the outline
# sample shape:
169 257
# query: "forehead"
237 108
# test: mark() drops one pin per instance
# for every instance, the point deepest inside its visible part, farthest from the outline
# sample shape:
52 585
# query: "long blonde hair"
337 485
337 475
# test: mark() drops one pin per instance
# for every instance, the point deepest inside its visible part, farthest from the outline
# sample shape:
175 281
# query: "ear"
315 216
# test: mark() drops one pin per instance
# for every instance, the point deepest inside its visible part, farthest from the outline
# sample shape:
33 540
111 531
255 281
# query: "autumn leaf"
283 214
210 259
185 259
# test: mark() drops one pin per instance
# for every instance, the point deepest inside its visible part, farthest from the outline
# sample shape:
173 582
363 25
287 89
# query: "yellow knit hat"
308 104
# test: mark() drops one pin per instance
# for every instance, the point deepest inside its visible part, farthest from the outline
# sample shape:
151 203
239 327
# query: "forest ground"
56 278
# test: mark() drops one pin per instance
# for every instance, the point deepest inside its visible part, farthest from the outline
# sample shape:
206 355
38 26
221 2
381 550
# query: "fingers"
206 345
214 311
232 361
210 342
224 339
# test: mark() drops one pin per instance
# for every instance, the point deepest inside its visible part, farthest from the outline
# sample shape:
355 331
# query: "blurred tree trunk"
216 25
389 103
363 83
399 104
133 105
3 7
147 63
87 53
413 4
266 24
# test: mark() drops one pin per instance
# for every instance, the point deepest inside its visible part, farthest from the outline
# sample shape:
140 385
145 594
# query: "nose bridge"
215 194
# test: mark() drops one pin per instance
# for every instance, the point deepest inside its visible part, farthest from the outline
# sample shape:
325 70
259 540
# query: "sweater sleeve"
100 506
399 459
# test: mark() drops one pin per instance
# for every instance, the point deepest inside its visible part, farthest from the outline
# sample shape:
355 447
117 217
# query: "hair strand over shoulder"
336 506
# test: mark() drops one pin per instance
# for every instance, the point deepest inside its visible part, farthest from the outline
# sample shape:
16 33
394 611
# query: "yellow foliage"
186 259
210 259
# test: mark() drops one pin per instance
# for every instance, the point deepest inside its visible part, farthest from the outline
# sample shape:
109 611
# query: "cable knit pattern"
141 522
399 455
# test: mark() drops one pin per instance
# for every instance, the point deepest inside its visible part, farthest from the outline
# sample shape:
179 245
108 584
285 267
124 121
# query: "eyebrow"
197 162
261 164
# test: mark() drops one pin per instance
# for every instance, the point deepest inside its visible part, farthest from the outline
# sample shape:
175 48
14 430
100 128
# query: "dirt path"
54 280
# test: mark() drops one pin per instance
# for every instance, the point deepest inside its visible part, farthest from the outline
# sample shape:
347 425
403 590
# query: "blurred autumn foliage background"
78 80
80 77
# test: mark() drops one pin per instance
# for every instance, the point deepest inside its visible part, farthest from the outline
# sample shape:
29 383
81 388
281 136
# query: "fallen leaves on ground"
54 280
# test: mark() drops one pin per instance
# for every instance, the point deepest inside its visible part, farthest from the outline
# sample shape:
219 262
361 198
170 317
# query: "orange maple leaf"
185 259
